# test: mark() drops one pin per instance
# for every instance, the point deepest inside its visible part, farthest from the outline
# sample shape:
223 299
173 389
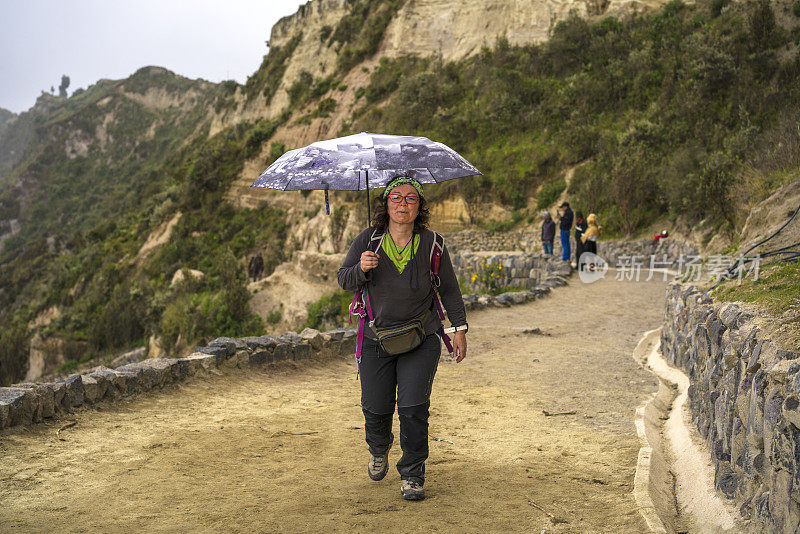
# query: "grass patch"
777 288
549 193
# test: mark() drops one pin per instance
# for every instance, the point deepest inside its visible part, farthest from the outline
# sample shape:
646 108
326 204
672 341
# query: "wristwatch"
463 328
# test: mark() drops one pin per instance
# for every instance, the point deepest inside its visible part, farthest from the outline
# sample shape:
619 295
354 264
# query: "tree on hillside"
62 89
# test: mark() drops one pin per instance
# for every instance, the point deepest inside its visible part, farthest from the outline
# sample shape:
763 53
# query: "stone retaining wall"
26 403
530 242
471 240
745 401
553 279
499 271
666 253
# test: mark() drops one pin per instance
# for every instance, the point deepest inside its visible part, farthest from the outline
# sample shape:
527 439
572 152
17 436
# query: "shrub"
361 30
14 343
717 6
325 32
325 107
274 317
122 320
268 77
549 193
300 87
329 311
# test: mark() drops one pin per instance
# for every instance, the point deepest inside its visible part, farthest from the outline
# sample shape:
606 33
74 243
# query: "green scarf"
399 255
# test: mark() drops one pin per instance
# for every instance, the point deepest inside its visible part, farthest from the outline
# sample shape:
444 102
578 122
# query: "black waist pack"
403 337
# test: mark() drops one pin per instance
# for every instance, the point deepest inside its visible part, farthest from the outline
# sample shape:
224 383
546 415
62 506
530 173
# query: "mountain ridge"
657 115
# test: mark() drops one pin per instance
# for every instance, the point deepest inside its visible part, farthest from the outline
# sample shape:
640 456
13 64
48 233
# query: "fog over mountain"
89 39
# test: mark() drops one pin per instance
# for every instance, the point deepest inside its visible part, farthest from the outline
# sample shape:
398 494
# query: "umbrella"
358 162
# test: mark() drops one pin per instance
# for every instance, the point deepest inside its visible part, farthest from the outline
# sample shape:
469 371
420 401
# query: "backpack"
361 306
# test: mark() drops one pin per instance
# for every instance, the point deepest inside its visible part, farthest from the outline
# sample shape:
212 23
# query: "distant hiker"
255 267
259 267
548 233
589 237
660 236
565 223
392 265
580 227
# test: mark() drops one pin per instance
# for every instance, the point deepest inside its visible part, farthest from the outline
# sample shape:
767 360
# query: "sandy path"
282 449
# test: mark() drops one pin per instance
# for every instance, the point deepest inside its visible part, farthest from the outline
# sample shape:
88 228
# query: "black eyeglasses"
410 199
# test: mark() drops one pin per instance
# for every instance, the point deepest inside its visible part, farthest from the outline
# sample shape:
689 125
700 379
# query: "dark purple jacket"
390 294
548 231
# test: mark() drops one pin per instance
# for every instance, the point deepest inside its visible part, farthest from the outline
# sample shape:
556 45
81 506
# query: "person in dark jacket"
548 233
399 286
565 223
580 227
258 267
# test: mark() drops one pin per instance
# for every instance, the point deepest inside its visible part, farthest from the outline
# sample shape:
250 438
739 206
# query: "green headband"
400 180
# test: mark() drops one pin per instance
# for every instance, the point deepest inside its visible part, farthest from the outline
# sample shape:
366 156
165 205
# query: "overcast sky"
92 39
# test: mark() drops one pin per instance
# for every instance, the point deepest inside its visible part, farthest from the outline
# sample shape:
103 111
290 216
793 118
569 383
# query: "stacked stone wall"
477 272
26 403
472 240
551 280
613 252
665 253
745 403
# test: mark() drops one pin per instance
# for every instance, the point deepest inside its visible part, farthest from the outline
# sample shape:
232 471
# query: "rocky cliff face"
453 28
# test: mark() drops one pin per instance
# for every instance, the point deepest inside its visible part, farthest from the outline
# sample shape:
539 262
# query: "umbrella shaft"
369 214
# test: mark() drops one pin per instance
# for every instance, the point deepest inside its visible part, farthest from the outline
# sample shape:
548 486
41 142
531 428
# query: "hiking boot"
378 466
411 491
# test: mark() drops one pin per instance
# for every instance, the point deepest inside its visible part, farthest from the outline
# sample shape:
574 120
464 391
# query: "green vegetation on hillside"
269 75
777 288
690 110
330 311
5 117
86 206
663 114
359 33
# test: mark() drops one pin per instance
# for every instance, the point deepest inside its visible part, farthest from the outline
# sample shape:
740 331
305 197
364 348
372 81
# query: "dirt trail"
282 449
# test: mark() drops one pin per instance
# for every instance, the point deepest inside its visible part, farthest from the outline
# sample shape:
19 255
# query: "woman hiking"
589 237
391 262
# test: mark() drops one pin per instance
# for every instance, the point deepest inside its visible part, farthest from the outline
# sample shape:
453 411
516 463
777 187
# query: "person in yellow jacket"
589 237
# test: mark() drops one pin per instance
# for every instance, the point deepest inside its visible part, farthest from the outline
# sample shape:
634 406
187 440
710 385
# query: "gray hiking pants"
408 378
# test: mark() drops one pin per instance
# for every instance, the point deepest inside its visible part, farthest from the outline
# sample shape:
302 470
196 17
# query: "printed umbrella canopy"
364 160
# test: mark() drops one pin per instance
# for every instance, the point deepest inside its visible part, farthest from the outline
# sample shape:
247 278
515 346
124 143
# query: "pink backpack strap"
437 248
361 306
